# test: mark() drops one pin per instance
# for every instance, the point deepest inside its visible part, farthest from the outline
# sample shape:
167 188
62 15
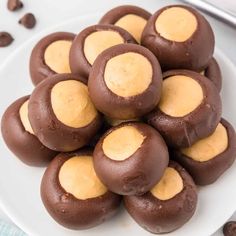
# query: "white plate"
19 184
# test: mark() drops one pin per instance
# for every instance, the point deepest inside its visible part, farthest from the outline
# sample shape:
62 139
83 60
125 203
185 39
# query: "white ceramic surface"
19 184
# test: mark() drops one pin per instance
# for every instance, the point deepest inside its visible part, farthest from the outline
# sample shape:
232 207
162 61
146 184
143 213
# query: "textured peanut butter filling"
169 186
99 41
56 56
123 142
176 24
180 95
128 74
208 148
24 117
134 24
77 177
71 104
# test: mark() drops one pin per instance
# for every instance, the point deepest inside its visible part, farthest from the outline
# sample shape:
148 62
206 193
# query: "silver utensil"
214 11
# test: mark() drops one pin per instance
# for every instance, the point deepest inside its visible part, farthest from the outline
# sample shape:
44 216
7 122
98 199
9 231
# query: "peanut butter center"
176 24
77 177
169 186
134 24
24 117
71 103
56 56
208 148
122 143
99 41
180 95
128 74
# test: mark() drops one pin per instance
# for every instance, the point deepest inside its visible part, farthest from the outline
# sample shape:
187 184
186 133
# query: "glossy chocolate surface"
193 54
78 61
69 211
200 123
208 172
164 216
39 70
23 144
119 107
138 173
51 131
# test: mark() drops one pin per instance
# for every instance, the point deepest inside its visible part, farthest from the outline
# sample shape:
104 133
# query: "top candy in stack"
119 100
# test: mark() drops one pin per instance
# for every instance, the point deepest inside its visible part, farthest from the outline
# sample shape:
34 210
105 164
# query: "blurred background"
50 13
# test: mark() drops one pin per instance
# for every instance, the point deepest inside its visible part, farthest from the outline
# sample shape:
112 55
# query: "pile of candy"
127 103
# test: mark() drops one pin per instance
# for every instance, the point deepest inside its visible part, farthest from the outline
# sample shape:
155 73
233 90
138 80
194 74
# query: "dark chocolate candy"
66 209
117 13
229 228
207 172
193 54
14 5
50 131
5 39
28 21
78 61
138 173
39 70
163 216
200 123
112 16
23 144
113 105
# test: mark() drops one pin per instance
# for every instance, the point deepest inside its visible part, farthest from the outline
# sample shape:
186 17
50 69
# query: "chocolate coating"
131 18
104 128
229 228
78 62
23 144
200 123
158 216
112 16
213 73
118 107
50 131
39 70
193 54
208 172
69 211
5 39
138 173
14 5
